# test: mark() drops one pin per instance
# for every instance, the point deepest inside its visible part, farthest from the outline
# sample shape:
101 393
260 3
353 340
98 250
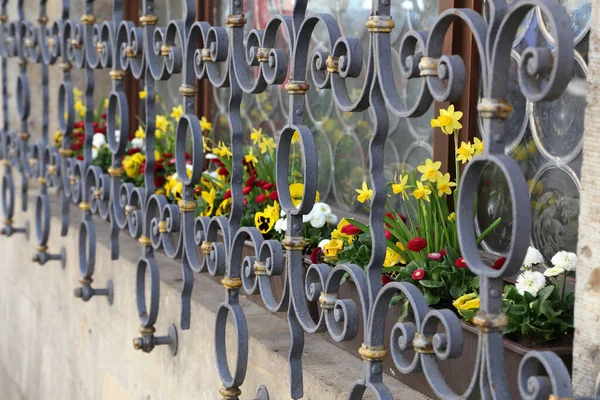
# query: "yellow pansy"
177 112
401 186
393 258
224 207
444 185
465 152
297 193
337 232
209 197
160 191
333 248
205 125
467 302
430 170
250 158
421 191
452 216
132 164
58 138
143 94
477 147
140 133
365 193
265 220
267 144
448 120
256 135
162 123
222 150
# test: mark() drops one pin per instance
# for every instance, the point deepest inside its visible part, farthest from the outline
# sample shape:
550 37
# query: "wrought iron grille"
189 50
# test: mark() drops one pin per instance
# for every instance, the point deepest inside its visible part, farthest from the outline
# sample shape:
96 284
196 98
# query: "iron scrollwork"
196 50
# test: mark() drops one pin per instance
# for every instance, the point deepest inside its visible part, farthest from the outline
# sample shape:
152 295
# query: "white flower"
282 213
210 156
532 258
117 135
331 219
530 281
306 218
323 243
94 153
213 174
554 271
565 260
281 225
318 220
137 142
323 208
98 140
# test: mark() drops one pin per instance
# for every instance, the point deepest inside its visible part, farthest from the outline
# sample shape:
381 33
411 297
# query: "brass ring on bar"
32 161
380 23
297 87
112 171
494 108
205 247
116 74
3 18
422 344
162 226
259 268
72 179
99 47
42 20
428 66
236 20
51 170
188 90
41 249
6 163
66 67
41 180
88 19
145 241
231 283
98 194
165 49
262 54
206 55
85 206
327 301
65 152
230 393
187 205
370 353
332 64
8 222
148 19
294 243
24 136
129 209
490 322
76 45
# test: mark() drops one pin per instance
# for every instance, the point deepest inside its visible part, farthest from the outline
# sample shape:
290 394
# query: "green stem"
488 230
564 286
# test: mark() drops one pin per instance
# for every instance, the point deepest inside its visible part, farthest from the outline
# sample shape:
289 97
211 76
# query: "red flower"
499 263
418 274
443 252
434 256
172 161
159 181
385 279
351 230
95 124
250 181
100 130
245 201
268 186
261 183
167 155
227 194
76 146
417 244
261 198
80 157
388 234
315 255
273 195
197 191
79 125
246 190
187 155
402 217
104 116
133 150
223 171
460 263
395 217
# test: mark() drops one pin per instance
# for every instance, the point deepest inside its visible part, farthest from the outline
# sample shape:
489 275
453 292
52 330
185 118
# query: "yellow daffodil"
467 302
205 125
140 133
80 108
205 144
365 193
520 153
392 258
132 164
444 185
295 137
157 155
177 112
401 186
430 170
143 94
421 191
209 197
256 135
250 158
222 150
267 144
448 120
77 94
106 103
333 248
162 123
477 147
465 152
452 216
58 138
531 147
297 193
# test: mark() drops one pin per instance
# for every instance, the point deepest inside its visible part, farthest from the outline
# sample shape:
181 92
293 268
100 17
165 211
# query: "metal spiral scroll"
154 52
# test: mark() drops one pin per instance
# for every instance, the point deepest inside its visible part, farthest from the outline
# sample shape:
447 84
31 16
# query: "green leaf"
404 314
452 255
431 299
430 284
517 309
455 292
544 293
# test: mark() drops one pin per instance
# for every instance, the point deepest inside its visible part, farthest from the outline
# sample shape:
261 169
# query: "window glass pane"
342 138
546 140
